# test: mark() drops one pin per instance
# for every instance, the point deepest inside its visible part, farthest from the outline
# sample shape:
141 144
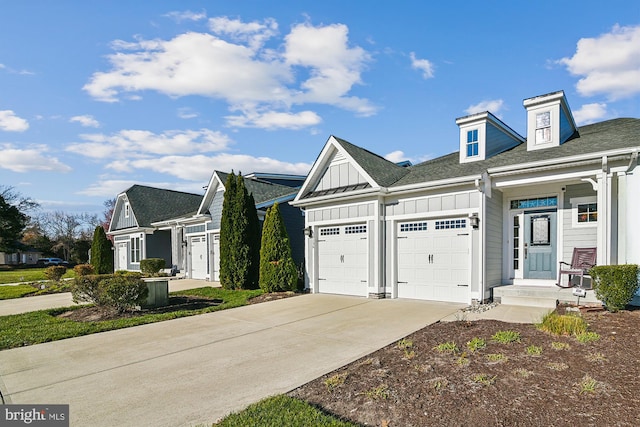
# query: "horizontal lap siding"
576 237
494 240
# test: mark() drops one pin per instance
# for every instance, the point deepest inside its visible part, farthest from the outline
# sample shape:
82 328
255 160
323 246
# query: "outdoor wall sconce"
184 243
474 221
308 231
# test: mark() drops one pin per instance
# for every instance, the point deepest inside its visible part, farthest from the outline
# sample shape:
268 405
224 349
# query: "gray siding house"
503 210
134 235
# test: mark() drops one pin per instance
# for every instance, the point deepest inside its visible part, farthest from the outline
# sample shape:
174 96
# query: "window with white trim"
584 211
543 127
127 210
135 249
472 143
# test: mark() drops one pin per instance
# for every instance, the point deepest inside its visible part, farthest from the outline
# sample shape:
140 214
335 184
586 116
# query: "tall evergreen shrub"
227 232
101 252
277 269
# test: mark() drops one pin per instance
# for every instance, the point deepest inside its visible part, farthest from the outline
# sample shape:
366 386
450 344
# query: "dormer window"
472 143
543 127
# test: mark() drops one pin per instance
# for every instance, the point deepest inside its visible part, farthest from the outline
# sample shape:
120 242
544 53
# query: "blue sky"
96 96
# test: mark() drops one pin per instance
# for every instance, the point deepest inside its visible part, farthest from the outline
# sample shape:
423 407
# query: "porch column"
607 216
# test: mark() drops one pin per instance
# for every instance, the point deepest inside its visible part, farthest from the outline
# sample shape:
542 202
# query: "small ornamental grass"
562 324
587 337
377 393
335 381
484 379
587 385
476 344
447 347
534 350
506 337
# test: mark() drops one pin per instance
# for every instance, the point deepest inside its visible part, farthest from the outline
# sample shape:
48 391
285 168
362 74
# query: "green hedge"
152 266
118 291
615 285
55 272
83 269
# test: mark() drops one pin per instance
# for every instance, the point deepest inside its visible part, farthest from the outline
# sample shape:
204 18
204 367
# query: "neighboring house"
28 256
136 238
201 229
503 210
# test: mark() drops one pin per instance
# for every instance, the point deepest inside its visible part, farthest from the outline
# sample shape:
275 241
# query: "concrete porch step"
539 296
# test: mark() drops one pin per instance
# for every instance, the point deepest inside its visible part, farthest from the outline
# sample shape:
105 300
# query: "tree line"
24 226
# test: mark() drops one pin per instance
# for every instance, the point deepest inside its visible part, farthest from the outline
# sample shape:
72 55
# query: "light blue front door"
540 244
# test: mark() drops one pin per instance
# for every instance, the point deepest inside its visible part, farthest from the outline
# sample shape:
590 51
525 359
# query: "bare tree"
66 229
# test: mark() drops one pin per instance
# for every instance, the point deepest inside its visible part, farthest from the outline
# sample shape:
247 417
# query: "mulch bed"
419 386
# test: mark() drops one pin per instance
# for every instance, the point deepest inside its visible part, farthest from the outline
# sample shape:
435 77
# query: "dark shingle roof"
151 204
597 137
383 172
263 191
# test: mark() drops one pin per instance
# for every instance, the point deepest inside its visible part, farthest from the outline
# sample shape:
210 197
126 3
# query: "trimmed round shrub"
88 289
124 292
152 266
83 269
615 285
55 272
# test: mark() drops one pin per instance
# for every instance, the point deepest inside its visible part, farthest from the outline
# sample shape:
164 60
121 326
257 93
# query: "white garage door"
199 257
123 251
434 261
342 260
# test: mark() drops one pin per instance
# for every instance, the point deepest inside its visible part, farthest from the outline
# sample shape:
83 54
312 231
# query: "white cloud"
11 123
187 113
590 113
199 167
186 15
272 120
396 156
85 120
493 105
608 64
141 143
316 65
423 65
111 187
34 158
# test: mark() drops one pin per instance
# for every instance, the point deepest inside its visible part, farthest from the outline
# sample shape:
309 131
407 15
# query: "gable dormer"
483 135
549 121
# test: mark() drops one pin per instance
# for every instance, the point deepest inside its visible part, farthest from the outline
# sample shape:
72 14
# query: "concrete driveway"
198 369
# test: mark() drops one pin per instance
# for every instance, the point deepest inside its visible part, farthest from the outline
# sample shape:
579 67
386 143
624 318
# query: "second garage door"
199 257
433 260
342 260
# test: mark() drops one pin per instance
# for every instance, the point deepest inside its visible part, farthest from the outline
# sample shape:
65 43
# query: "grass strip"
37 327
278 411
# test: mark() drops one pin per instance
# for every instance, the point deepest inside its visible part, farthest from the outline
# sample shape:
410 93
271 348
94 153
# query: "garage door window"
451 223
355 229
413 226
329 231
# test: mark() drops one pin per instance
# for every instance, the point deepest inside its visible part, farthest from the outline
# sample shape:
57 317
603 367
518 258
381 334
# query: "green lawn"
28 275
278 411
36 327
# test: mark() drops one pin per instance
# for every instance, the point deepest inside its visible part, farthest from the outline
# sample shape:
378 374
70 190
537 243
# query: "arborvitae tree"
227 233
277 269
101 253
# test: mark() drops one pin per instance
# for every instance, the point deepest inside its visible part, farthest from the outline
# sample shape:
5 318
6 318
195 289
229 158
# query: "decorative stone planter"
158 291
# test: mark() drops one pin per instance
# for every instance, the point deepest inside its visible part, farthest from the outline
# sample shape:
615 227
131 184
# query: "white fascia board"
181 221
214 181
522 167
132 230
434 185
341 197
545 178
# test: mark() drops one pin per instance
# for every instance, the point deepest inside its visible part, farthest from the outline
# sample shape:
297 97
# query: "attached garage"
434 260
198 257
343 260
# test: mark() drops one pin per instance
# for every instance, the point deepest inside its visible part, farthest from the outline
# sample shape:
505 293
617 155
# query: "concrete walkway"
64 299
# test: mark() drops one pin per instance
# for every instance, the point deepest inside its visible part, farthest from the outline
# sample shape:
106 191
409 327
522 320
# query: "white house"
503 210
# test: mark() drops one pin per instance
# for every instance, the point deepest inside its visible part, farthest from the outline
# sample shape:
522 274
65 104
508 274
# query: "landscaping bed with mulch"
435 378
